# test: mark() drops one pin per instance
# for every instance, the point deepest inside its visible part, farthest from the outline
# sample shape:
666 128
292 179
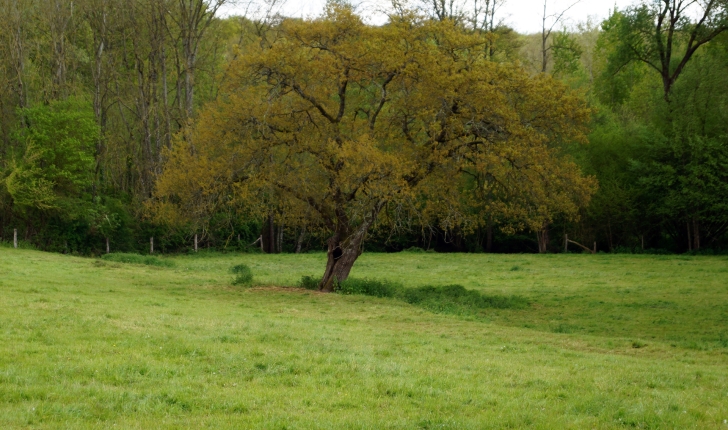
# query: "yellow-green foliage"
92 344
332 122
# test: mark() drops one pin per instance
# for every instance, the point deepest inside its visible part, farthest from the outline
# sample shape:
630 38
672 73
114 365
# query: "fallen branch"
567 241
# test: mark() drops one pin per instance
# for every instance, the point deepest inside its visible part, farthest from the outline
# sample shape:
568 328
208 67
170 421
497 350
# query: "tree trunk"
609 235
489 237
696 234
544 39
344 249
271 234
542 236
279 239
299 242
341 257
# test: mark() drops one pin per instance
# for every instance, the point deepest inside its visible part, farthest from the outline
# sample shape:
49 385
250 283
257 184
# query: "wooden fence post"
595 248
108 249
15 238
151 245
195 242
566 243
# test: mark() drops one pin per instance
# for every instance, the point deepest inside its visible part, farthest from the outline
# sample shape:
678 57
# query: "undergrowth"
308 283
370 287
149 260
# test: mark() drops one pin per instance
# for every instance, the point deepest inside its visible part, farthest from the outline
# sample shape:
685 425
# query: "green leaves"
567 52
53 165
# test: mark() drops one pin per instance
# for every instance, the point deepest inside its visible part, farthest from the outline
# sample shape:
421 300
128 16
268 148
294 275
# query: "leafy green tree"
356 124
567 53
52 163
669 151
685 183
664 35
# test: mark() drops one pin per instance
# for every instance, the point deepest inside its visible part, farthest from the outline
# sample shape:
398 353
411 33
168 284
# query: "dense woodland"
122 120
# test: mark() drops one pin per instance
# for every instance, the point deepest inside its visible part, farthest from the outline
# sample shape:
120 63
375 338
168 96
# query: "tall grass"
448 299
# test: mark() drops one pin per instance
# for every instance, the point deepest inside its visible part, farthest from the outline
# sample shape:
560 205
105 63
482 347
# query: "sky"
522 15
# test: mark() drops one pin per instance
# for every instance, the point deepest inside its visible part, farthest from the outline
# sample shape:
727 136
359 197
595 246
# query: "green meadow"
606 341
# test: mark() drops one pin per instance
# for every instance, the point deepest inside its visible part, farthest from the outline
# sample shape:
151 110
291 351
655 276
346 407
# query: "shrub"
309 283
243 274
149 260
369 287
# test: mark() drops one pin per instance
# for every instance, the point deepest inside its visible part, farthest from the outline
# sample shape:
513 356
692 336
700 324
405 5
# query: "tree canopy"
345 121
121 120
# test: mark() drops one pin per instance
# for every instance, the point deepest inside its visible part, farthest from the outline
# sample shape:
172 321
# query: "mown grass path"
91 344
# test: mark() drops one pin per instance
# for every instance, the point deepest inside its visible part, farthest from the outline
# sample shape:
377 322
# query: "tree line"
442 129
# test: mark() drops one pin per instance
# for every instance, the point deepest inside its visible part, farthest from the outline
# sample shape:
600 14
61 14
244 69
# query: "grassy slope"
90 344
680 300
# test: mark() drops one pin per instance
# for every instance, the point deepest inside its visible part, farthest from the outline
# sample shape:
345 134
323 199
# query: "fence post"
566 243
15 238
195 242
595 248
108 250
151 245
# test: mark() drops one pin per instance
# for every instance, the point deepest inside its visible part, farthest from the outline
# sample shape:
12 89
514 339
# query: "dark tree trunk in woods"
271 234
696 234
489 237
542 237
268 236
279 239
299 242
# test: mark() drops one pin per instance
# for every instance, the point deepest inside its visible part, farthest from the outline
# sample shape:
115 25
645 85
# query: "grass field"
608 341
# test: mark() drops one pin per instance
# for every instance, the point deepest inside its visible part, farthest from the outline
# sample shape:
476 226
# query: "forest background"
94 93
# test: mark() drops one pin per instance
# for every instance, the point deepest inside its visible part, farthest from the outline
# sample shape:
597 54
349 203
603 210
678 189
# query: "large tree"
665 35
348 121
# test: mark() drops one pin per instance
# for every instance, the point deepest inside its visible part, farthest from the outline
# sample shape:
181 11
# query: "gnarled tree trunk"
341 257
344 248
